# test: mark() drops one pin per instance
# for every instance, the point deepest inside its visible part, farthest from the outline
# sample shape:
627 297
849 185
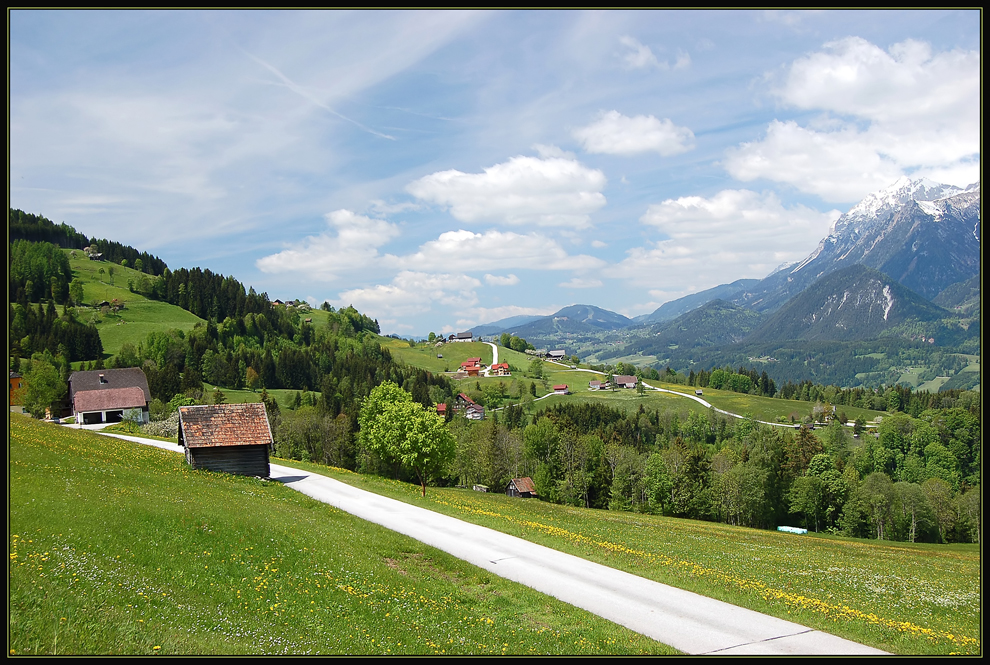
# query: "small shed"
521 487
234 438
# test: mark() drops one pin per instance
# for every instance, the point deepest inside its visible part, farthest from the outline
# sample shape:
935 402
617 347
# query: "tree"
940 497
402 432
45 388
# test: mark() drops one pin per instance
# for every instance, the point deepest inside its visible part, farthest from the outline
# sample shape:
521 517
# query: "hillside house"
471 409
561 389
522 488
596 385
109 396
461 337
472 366
625 381
234 438
556 355
499 369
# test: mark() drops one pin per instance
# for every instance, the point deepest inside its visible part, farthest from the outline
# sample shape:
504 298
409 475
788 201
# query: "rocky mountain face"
852 303
924 234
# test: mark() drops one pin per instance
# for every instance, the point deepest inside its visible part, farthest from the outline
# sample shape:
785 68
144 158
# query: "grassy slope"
140 315
900 597
118 548
762 408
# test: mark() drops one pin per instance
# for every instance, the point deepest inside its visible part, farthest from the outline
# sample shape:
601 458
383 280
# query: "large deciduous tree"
402 432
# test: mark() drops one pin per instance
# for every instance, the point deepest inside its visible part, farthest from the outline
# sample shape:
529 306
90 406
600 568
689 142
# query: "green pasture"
140 315
425 357
138 318
900 597
282 396
116 548
933 385
770 409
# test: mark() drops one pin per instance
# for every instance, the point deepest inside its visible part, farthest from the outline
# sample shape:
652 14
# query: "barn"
521 487
234 438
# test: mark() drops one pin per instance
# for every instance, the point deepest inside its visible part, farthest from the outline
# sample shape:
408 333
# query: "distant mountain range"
907 231
880 267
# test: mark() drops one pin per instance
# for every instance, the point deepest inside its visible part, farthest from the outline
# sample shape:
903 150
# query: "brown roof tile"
224 425
108 399
113 379
524 484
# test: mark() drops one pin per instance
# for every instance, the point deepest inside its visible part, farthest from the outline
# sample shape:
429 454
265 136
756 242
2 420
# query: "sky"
440 170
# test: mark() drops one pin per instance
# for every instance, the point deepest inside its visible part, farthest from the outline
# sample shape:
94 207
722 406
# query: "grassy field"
901 597
118 548
761 408
139 317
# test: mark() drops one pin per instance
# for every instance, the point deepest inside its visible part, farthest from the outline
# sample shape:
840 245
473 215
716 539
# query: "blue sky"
439 170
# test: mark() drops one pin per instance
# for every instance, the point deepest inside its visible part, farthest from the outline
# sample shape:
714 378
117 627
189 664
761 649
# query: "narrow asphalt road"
686 621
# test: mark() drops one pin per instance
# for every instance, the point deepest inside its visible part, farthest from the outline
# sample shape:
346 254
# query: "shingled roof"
109 379
108 400
524 485
224 425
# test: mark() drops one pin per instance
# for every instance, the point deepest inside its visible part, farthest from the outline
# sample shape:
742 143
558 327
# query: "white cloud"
501 280
736 233
467 251
616 134
413 293
581 283
640 56
903 110
326 256
835 165
552 191
599 244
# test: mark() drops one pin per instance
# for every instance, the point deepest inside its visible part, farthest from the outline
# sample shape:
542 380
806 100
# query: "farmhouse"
461 337
109 396
499 369
626 381
595 385
556 355
521 487
234 438
560 389
474 412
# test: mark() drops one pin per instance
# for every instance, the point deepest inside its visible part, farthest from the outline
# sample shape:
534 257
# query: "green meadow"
904 598
140 315
117 548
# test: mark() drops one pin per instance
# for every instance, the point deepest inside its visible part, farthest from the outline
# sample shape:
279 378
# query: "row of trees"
739 473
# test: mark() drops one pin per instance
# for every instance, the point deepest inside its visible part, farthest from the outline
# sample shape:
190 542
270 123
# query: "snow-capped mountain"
922 233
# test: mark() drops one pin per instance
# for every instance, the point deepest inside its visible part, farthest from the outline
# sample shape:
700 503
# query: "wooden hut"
234 438
521 487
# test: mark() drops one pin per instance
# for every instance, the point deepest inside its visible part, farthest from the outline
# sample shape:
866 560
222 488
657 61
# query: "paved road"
689 622
686 621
